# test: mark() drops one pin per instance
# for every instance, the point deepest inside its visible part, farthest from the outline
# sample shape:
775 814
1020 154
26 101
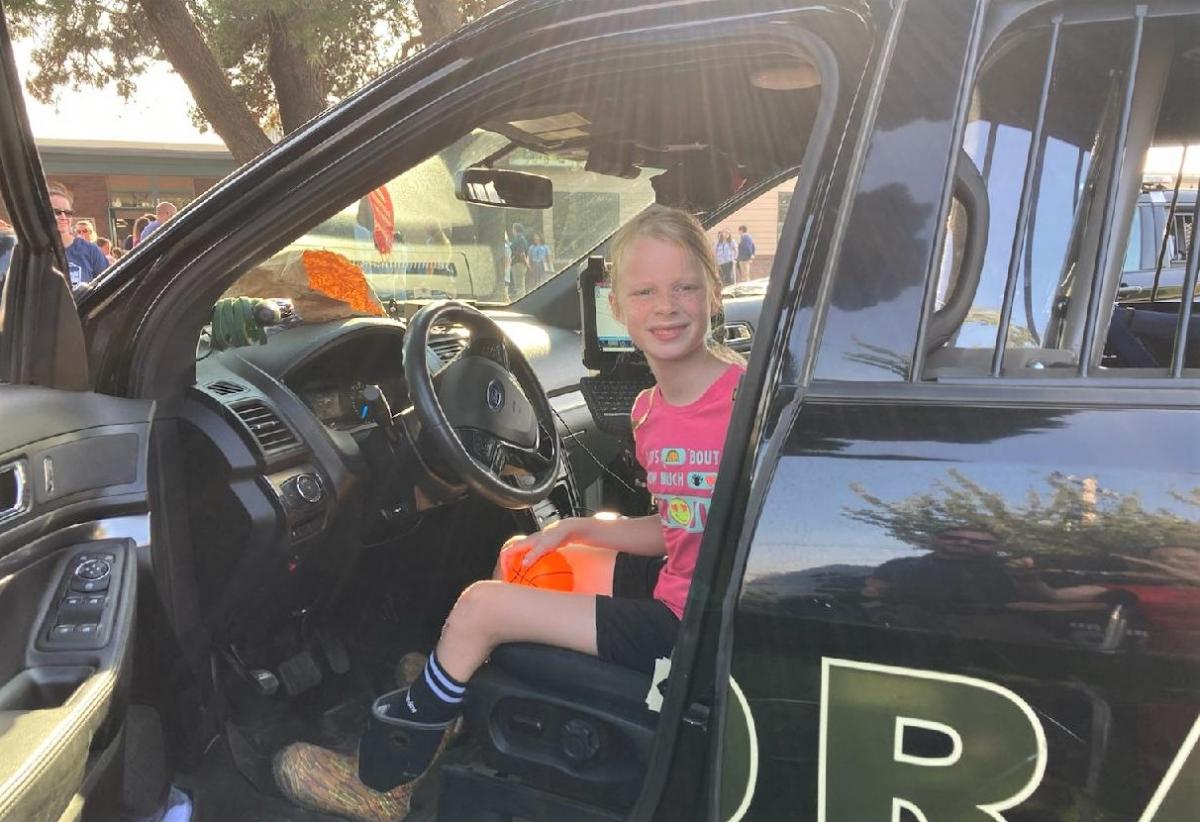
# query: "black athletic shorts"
632 627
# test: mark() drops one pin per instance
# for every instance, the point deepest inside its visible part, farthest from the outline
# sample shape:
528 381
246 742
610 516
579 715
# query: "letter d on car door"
944 747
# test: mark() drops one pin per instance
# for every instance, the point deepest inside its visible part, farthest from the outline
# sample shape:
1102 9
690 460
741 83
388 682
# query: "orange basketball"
552 571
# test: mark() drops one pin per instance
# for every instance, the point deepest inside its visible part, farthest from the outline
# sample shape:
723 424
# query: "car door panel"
1105 662
82 461
57 698
78 456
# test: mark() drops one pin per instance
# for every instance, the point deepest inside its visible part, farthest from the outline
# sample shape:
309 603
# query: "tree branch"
184 45
300 89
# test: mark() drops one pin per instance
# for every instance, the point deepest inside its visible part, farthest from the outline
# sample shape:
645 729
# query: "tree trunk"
439 18
181 40
299 87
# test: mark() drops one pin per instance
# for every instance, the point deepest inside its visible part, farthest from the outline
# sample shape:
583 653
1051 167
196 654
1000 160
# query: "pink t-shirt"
680 448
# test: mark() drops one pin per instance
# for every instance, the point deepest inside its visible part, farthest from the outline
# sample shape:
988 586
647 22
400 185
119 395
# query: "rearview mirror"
501 187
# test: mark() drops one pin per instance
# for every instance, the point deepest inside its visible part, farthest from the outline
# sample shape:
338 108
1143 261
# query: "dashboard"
333 382
339 406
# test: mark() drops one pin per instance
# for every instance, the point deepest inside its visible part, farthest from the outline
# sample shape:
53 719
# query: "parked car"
951 569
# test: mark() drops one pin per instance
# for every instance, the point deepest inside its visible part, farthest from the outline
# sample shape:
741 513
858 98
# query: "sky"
158 113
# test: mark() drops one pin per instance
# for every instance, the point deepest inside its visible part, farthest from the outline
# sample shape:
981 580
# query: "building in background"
115 182
763 218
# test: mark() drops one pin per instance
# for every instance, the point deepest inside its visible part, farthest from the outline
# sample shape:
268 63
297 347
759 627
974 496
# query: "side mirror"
503 188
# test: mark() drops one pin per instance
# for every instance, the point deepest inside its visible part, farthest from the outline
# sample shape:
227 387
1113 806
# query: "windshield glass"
415 240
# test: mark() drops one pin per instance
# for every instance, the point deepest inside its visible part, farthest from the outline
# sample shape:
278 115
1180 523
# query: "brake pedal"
299 673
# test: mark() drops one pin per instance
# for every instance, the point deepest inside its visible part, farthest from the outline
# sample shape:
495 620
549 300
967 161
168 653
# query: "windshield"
414 240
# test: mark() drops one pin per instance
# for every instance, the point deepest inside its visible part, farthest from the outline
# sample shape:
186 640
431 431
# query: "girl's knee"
474 608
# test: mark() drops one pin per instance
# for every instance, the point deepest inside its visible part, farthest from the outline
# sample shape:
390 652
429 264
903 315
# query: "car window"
1133 249
763 219
1141 332
997 140
1046 271
8 244
415 240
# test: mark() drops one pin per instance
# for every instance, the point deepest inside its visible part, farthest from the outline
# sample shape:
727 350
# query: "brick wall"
203 184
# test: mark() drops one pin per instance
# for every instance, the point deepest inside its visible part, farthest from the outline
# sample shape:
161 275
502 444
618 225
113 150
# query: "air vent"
270 432
224 388
447 348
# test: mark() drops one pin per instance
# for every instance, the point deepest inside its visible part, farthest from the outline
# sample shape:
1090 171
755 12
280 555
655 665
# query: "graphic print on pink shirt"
680 448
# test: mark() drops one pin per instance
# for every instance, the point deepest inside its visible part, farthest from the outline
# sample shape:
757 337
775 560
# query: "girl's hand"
551 538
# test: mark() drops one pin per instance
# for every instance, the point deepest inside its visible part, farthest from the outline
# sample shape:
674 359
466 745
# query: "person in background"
745 253
105 245
85 229
8 241
118 252
84 258
165 211
519 260
139 225
539 259
726 250
439 250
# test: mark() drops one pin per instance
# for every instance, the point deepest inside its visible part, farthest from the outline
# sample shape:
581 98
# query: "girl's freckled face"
662 298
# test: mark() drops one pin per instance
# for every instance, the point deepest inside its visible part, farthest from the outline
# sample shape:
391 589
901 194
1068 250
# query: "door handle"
14 490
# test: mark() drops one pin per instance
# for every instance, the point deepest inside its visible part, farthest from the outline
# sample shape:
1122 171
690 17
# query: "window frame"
1109 264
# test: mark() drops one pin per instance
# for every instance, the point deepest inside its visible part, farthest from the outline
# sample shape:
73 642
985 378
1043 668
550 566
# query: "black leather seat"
562 721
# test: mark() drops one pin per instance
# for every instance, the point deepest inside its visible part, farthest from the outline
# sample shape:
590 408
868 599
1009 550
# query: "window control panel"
80 617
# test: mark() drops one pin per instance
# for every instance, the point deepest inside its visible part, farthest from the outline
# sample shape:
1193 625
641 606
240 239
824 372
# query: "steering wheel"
485 415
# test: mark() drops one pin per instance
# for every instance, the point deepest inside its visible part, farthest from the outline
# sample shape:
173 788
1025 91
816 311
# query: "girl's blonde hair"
672 225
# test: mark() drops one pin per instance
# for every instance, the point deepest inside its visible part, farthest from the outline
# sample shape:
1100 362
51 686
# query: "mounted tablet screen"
604 337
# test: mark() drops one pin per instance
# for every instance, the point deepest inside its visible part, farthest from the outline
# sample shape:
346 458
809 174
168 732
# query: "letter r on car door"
943 747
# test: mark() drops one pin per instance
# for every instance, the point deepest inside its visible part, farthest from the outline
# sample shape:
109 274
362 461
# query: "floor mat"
220 793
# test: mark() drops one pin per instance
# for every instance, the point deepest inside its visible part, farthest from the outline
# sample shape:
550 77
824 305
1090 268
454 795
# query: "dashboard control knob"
92 569
309 488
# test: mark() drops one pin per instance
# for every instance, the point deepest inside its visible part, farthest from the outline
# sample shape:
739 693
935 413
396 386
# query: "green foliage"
81 44
1075 516
349 41
93 42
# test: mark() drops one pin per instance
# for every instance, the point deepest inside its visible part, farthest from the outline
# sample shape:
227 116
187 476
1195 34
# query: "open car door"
73 513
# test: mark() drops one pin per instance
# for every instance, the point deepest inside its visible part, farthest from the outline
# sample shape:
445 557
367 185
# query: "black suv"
952 566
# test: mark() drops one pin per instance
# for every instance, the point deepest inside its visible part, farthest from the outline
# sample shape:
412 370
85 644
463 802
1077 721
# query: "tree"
1076 516
254 67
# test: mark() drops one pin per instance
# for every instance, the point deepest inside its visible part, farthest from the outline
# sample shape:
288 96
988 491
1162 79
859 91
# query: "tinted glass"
8 244
1142 329
871 326
1086 76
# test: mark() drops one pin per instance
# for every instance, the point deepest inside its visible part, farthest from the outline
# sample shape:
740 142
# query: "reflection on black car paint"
995 540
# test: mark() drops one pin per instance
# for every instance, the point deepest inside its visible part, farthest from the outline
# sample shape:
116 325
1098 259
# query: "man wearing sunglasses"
84 258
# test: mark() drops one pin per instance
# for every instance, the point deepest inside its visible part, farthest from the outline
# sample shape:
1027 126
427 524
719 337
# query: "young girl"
539 258
726 256
631 576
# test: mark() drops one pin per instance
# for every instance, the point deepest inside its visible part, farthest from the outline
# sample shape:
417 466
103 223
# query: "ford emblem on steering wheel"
495 395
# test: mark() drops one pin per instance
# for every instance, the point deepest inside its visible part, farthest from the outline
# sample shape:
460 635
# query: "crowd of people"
734 257
86 251
527 261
